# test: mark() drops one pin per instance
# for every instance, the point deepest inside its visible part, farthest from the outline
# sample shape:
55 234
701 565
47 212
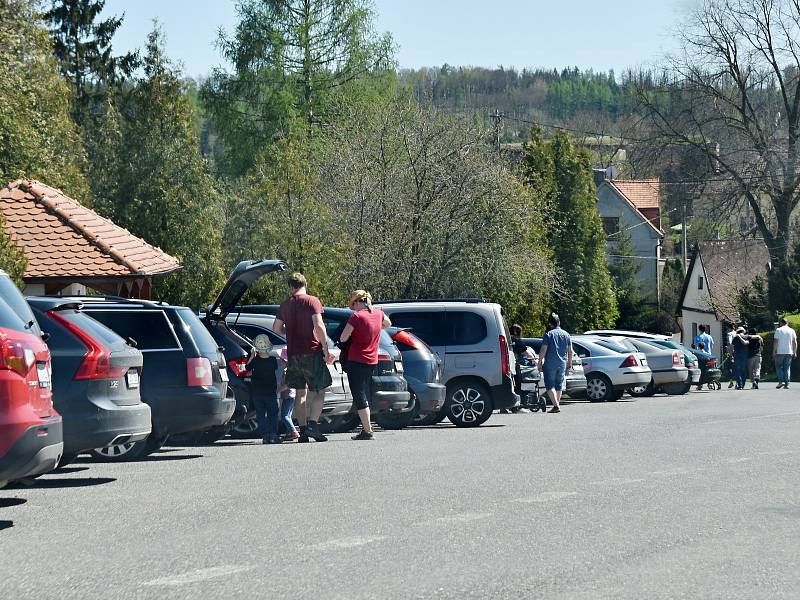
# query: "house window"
699 282
611 225
694 332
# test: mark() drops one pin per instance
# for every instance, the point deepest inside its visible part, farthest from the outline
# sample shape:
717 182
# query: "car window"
194 328
149 328
580 350
613 346
428 326
252 331
465 328
15 302
94 328
9 319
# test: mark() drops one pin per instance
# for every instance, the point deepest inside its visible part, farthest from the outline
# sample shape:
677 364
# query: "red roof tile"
62 238
643 193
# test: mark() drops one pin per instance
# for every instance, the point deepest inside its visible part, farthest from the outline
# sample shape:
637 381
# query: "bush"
767 364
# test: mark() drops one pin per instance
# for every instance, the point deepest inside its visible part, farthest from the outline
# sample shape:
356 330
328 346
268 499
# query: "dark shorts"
554 378
359 376
308 371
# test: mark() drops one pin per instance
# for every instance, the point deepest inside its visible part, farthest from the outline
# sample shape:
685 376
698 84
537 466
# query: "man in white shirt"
784 349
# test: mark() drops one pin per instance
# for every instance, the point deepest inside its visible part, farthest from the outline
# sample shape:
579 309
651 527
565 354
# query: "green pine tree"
562 173
627 288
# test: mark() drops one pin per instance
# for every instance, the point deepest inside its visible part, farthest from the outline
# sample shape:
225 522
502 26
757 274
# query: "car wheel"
129 451
468 404
676 389
599 388
394 421
643 391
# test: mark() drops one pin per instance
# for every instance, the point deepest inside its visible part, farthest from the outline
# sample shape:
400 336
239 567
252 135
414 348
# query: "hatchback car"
96 377
670 374
184 380
610 368
473 339
31 440
689 358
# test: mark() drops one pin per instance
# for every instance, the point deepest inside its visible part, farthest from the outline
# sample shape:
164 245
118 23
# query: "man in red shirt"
299 319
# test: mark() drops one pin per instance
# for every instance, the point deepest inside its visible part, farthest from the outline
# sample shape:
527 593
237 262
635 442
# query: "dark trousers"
741 370
359 376
267 411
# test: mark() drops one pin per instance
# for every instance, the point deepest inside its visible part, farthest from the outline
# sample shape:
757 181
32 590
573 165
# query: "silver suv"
472 340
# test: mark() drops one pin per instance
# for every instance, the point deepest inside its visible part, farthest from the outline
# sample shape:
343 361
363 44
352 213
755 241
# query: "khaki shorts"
308 371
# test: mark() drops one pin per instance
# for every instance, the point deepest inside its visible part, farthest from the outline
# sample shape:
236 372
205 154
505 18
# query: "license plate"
398 365
132 378
43 375
223 374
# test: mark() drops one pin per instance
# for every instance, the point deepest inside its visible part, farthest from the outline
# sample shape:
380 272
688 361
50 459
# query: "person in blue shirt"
555 358
705 339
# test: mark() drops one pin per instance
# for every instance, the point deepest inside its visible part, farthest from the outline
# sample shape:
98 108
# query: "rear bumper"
631 379
108 423
694 375
390 392
195 409
430 396
674 375
503 395
36 451
337 405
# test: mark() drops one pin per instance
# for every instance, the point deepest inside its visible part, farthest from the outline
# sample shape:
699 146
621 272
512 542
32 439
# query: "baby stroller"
710 374
530 394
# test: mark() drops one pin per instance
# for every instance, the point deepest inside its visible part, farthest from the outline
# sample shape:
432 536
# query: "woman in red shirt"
363 330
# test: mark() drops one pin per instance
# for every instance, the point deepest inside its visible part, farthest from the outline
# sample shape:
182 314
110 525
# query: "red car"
30 429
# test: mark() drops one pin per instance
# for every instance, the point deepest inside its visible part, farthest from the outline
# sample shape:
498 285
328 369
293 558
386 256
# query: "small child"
287 395
264 388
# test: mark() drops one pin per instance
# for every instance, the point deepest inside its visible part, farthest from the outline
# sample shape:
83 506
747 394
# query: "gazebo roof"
65 240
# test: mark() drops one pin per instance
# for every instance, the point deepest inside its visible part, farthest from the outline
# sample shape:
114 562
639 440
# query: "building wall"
690 324
644 238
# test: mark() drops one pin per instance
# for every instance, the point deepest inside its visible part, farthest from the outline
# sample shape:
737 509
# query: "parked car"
96 377
670 374
473 338
389 395
422 370
336 412
689 358
627 334
575 378
31 441
235 347
184 380
610 368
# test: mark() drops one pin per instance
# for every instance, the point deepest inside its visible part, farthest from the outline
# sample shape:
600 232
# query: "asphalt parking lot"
668 497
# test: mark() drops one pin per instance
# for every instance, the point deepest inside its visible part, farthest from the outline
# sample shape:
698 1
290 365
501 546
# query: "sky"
615 34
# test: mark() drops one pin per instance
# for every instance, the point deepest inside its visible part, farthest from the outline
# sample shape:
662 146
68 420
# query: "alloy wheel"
115 451
467 404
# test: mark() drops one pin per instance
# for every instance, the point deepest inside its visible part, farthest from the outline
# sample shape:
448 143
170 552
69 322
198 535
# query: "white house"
718 269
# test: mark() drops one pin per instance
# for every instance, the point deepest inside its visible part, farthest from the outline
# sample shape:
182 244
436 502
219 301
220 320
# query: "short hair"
516 330
297 281
752 331
784 321
703 328
554 320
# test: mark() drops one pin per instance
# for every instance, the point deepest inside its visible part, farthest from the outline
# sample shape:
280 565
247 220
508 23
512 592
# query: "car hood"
241 278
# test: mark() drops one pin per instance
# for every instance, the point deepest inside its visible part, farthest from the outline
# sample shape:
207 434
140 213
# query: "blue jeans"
741 370
783 365
554 377
266 414
287 407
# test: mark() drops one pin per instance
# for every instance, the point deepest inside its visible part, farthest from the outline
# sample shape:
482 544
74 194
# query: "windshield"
609 345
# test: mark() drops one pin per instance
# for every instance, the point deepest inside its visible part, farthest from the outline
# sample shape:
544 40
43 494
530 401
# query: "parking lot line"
545 497
348 542
199 575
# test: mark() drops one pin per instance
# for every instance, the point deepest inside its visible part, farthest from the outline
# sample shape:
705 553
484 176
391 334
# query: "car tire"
468 404
676 389
247 429
394 421
130 451
645 391
599 388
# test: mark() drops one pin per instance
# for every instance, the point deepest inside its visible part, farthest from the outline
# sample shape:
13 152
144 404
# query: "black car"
184 380
389 395
422 369
236 347
96 377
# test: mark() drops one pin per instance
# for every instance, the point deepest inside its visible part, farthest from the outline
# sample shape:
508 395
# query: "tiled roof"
62 238
643 193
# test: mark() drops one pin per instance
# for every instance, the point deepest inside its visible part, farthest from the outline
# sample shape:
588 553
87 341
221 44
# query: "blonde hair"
361 296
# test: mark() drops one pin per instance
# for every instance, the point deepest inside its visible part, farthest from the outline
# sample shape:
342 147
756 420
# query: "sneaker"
290 436
364 435
555 409
312 431
755 385
302 437
730 385
275 440
779 386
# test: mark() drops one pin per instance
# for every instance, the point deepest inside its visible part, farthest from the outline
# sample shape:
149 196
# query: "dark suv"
96 378
184 379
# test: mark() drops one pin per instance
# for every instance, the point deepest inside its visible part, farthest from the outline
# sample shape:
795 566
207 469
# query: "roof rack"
466 300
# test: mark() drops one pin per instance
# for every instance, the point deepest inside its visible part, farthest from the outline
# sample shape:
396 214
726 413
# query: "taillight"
711 362
96 362
383 356
404 337
630 361
504 364
14 356
676 359
239 366
198 371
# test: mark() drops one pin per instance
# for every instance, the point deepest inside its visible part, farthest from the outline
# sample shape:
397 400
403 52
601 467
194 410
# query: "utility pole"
683 234
497 117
